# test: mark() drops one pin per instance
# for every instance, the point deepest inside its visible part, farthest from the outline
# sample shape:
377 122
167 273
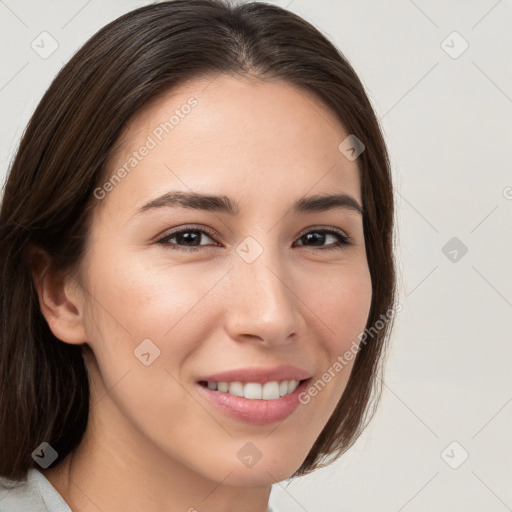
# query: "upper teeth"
256 391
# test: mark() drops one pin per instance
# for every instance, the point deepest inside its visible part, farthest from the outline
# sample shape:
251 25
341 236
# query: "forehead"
234 133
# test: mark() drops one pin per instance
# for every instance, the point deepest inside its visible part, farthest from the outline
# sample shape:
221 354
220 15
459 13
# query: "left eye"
319 237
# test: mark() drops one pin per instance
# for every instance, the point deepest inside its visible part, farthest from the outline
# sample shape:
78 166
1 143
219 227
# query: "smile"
253 402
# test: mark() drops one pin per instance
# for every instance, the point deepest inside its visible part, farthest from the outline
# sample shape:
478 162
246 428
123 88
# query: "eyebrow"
223 204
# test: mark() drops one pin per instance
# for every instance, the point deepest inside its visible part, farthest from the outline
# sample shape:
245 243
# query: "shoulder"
35 494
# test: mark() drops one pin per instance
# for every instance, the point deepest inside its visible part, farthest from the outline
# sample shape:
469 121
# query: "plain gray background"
446 114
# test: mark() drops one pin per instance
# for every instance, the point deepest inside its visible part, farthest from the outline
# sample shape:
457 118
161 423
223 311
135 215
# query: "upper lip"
259 374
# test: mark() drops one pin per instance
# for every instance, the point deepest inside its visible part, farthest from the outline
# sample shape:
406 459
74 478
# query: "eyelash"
343 239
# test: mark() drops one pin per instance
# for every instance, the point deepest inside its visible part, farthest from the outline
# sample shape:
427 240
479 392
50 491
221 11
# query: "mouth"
256 403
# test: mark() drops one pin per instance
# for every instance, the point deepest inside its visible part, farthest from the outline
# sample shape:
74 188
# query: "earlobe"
60 299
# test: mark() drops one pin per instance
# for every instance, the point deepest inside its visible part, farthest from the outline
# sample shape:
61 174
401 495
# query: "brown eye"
187 239
319 237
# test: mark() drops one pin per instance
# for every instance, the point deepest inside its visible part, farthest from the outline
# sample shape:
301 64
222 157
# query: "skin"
153 443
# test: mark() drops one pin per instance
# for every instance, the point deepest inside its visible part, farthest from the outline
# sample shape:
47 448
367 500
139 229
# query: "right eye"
186 239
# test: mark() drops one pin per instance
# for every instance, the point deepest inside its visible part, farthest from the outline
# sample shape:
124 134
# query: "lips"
253 410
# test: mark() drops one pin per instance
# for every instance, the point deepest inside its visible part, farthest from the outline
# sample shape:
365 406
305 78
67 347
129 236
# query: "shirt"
37 494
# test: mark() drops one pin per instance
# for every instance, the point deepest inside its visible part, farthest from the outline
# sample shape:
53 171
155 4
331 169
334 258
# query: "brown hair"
48 198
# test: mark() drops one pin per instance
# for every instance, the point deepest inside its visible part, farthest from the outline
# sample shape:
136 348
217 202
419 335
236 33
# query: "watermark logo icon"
44 455
146 352
454 249
351 147
454 455
249 455
454 45
44 45
249 250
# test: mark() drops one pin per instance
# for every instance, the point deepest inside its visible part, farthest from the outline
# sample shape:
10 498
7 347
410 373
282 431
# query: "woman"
196 248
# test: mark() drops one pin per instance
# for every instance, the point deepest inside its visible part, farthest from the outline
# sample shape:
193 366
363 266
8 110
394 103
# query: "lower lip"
256 412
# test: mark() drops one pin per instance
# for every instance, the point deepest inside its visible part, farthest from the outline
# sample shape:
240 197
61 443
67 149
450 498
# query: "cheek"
166 304
131 302
341 299
341 302
148 301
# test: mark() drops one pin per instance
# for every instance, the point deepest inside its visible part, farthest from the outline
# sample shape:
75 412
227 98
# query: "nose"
262 305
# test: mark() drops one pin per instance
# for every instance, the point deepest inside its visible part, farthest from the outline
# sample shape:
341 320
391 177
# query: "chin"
259 475
275 467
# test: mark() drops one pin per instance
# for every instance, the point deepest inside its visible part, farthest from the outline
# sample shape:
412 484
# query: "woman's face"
208 254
